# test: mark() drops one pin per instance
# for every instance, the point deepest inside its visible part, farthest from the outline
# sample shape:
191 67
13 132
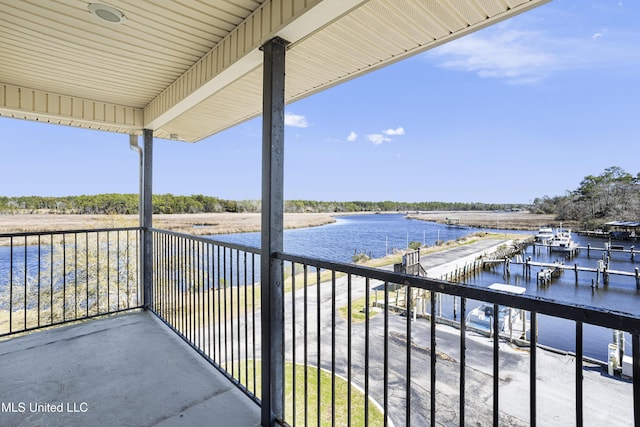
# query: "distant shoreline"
226 223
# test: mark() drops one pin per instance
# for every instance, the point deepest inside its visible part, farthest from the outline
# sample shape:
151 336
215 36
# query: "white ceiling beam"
31 104
238 53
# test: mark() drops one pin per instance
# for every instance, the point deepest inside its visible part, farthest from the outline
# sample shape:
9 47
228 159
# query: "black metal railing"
397 362
362 346
50 278
209 293
353 355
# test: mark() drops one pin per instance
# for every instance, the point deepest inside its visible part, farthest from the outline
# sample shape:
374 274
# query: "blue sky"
520 110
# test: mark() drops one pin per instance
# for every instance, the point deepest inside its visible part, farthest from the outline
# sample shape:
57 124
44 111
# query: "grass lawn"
310 410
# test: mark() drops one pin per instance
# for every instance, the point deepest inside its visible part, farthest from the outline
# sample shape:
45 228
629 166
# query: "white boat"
562 241
482 317
545 234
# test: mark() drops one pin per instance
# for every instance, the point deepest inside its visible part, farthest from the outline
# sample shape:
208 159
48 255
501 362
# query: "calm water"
376 235
379 234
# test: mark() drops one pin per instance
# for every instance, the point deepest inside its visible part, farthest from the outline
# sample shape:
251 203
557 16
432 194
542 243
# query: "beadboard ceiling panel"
191 68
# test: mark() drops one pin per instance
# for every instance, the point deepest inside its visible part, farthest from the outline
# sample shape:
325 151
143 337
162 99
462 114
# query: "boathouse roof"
627 224
187 70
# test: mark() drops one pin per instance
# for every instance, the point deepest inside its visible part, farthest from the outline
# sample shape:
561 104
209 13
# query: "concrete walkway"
438 264
125 370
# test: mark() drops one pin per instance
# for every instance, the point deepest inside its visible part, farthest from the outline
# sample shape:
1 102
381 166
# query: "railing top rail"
591 315
209 240
57 232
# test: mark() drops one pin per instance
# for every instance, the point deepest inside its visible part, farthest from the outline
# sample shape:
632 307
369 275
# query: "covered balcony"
144 326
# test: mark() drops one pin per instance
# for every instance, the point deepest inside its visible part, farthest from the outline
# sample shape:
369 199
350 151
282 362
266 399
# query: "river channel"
377 235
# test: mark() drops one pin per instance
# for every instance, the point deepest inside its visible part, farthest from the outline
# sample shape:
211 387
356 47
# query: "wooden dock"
608 249
550 270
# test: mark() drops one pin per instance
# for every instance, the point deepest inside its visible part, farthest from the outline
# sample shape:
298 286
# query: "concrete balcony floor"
124 370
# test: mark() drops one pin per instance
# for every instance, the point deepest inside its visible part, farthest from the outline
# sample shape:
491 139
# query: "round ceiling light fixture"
107 13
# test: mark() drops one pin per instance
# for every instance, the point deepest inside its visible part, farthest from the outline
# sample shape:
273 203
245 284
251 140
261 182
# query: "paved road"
607 401
437 259
555 372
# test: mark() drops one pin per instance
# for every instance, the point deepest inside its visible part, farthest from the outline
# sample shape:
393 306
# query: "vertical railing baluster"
64 277
533 332
39 276
75 274
635 351
283 372
432 390
333 347
187 288
385 356
10 284
318 347
293 343
210 347
231 315
246 323
239 337
51 262
579 349
118 270
349 320
306 346
366 351
409 316
173 279
178 286
184 299
202 248
108 270
165 291
26 278
225 316
496 377
463 356
198 285
137 267
219 303
191 291
86 269
253 311
97 270
128 267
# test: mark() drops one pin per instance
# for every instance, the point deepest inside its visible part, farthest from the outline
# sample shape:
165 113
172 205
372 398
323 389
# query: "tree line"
614 195
174 204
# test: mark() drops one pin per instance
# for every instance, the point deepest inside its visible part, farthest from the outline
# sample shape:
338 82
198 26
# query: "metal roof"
190 68
629 224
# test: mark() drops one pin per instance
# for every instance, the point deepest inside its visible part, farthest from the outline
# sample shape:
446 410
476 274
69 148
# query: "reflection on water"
377 235
380 234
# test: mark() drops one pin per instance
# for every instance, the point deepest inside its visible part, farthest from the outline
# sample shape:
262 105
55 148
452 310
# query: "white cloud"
508 54
390 132
352 136
524 56
377 138
295 120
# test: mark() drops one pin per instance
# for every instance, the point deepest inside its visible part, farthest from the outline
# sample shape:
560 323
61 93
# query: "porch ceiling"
190 68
